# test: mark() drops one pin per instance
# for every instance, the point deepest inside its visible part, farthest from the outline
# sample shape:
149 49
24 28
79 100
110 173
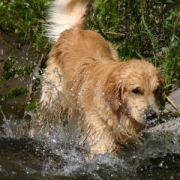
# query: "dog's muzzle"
151 115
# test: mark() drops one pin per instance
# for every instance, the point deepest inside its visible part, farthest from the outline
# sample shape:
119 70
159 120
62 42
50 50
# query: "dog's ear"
160 95
114 92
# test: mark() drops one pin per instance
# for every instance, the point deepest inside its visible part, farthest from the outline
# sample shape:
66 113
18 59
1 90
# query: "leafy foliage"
24 18
142 28
14 92
31 106
11 69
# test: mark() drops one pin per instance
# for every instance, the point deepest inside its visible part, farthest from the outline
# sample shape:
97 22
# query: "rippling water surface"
60 157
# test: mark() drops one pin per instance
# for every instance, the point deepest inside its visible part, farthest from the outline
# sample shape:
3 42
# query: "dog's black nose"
150 115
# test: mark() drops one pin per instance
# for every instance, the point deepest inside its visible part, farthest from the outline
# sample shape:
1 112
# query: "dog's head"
137 89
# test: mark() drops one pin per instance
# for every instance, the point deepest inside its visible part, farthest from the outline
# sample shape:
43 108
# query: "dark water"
59 157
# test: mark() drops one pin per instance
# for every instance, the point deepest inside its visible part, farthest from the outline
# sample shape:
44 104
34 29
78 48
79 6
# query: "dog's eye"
137 91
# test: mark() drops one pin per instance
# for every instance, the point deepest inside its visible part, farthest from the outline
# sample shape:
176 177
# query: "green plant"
17 91
9 63
11 69
167 58
171 63
142 29
31 106
24 18
8 67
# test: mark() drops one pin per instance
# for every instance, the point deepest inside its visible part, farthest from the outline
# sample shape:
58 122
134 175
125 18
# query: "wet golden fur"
108 98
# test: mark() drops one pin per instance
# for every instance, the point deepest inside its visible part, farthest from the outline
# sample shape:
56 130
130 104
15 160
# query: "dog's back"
74 47
66 19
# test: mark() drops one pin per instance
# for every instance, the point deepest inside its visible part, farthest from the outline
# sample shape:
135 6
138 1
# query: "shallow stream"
59 157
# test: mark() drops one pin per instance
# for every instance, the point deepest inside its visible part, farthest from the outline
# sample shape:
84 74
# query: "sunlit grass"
24 18
143 30
140 30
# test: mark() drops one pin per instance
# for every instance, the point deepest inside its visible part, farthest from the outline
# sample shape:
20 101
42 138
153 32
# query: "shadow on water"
59 157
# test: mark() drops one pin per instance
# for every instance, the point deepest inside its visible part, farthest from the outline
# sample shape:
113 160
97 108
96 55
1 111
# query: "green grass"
141 30
11 69
31 106
17 91
135 28
24 18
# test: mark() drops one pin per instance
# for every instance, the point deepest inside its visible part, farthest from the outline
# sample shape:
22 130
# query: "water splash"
61 154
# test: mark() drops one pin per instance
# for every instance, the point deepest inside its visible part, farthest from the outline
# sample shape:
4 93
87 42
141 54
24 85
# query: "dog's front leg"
100 139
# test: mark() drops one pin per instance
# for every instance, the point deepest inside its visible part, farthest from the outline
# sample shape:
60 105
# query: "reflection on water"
59 157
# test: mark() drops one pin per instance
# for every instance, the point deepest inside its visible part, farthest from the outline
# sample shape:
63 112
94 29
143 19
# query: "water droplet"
54 141
161 164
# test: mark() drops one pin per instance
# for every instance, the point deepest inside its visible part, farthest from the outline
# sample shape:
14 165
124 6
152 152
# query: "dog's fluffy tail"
62 15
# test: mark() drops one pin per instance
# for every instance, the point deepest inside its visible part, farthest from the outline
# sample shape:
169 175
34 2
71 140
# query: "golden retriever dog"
110 100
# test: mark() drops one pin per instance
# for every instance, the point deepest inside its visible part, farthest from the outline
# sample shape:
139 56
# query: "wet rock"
162 139
159 155
161 147
175 98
